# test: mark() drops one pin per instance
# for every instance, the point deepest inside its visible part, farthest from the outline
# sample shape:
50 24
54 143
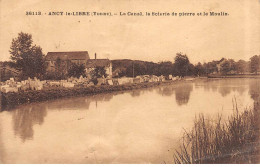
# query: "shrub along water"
218 141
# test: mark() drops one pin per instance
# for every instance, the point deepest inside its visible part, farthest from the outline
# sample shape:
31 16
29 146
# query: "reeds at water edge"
217 141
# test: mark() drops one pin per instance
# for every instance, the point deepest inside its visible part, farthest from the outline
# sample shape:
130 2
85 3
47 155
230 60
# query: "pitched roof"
91 63
78 55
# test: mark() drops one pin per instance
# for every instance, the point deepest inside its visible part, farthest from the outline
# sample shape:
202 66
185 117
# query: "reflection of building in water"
25 117
67 104
182 93
99 98
78 102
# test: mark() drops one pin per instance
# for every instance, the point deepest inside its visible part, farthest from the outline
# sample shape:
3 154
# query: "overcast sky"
154 39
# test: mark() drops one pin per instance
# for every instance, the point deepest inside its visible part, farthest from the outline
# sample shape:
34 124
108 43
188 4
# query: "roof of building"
78 55
91 63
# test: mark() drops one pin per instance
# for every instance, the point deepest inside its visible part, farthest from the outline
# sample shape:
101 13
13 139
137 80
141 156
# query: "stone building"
57 61
94 63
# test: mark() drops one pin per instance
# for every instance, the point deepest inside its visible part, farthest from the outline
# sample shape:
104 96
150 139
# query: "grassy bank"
11 99
218 141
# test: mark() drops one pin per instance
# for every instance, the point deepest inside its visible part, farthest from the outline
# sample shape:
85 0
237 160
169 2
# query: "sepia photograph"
129 82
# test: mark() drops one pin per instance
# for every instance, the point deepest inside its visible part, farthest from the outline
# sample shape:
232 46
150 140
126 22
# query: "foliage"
165 68
181 64
227 66
98 72
199 70
255 64
27 57
76 70
241 67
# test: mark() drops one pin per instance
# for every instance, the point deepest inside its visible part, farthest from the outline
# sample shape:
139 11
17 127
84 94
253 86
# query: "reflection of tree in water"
135 93
25 117
254 90
2 148
224 90
227 86
241 89
182 93
165 91
209 85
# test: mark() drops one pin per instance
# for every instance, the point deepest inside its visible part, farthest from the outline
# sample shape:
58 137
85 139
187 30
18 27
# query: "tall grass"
217 141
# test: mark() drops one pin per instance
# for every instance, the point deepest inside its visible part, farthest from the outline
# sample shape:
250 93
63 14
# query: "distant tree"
165 68
98 72
76 70
139 69
199 69
254 64
225 67
181 64
27 57
210 67
241 66
191 69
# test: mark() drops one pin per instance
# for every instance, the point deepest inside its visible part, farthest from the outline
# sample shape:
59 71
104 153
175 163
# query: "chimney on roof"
95 56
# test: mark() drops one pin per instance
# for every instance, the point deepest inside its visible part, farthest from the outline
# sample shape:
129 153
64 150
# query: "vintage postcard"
129 82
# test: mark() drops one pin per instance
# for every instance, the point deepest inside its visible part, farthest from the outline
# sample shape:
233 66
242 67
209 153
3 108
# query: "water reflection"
254 90
124 127
224 90
166 91
26 117
136 93
182 93
225 86
2 149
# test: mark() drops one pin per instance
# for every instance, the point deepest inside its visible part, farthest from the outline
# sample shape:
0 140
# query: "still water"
140 126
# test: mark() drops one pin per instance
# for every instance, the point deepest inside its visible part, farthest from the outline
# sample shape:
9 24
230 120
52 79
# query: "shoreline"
11 100
235 76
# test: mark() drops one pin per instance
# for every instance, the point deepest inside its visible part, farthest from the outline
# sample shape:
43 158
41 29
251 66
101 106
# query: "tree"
181 64
225 67
241 66
210 67
27 57
199 69
76 70
254 64
98 72
165 68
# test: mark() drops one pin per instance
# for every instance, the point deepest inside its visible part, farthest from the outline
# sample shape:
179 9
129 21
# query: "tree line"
30 60
182 67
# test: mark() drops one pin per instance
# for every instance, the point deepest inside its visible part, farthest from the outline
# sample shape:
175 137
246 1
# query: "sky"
202 38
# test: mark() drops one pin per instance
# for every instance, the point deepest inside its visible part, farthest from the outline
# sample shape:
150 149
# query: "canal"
139 126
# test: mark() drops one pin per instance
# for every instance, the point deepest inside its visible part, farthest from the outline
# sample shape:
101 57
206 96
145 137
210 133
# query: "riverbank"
13 99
